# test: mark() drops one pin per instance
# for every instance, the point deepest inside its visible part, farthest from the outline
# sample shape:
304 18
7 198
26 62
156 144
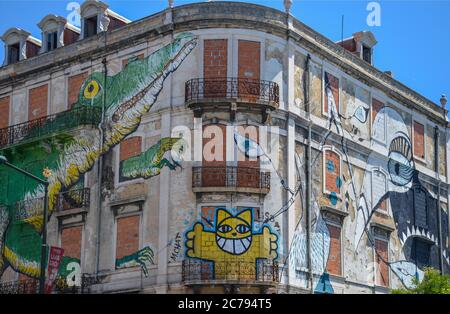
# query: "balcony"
73 199
44 127
232 94
230 179
230 272
31 286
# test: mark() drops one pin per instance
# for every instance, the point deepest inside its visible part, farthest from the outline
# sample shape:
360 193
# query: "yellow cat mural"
233 246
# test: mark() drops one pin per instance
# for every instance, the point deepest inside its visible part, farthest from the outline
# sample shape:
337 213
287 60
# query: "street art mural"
231 244
414 209
130 94
150 163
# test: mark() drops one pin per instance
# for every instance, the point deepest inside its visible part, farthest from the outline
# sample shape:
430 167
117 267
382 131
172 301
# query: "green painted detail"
149 163
129 94
140 258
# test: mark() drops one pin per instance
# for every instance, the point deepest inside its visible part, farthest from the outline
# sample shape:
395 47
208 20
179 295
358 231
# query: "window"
334 257
52 41
419 140
71 241
381 260
421 253
331 97
90 26
378 121
129 148
127 236
367 54
332 175
379 188
420 207
13 53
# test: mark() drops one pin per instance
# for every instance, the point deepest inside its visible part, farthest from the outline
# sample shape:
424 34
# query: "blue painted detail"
338 182
330 165
333 198
324 285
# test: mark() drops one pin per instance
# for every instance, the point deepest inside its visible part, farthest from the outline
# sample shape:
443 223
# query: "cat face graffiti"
234 233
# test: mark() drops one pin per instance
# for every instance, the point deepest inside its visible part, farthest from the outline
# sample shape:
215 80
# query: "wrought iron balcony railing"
262 271
240 89
31 286
24 132
72 199
231 177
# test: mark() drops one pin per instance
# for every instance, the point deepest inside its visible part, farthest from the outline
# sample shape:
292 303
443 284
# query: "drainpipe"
100 162
309 176
438 202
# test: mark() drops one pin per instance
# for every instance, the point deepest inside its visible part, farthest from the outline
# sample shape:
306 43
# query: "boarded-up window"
215 63
127 241
378 126
74 85
249 69
331 97
421 253
248 172
332 174
420 207
215 54
71 241
379 190
129 148
381 258
334 258
37 102
419 140
125 61
4 112
214 171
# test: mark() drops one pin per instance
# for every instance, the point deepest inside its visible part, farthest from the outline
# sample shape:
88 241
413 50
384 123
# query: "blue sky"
413 38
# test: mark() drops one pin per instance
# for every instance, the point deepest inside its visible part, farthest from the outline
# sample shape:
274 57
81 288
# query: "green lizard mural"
130 94
150 163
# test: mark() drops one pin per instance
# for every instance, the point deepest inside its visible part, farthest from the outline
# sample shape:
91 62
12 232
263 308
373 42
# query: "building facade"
216 147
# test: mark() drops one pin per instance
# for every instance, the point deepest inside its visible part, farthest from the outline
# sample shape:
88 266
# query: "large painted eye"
91 90
400 165
242 228
224 229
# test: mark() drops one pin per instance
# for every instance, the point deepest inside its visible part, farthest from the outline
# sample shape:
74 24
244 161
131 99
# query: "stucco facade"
221 147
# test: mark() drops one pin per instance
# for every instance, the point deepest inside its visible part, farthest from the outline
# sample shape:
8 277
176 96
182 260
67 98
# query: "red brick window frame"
334 84
332 167
37 102
5 105
381 259
334 262
419 140
130 147
74 84
71 241
128 230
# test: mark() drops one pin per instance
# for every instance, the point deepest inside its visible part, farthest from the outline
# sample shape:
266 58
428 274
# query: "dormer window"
52 41
13 53
367 54
90 26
